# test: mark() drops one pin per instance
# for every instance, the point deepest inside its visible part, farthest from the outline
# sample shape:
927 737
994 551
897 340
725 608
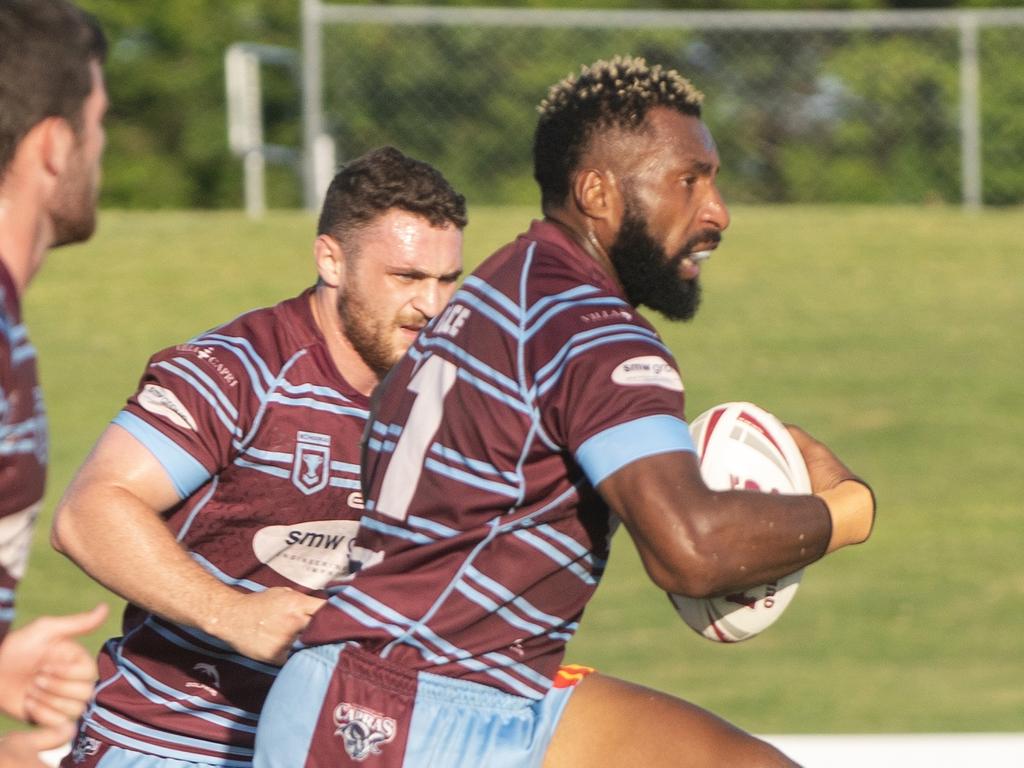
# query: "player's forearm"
126 547
698 542
732 541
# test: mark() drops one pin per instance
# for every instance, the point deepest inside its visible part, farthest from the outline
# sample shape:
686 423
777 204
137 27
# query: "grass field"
894 334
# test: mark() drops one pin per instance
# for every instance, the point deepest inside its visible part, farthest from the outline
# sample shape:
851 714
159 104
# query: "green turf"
895 334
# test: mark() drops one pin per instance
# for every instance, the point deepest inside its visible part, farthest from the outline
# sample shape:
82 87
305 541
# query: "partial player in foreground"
52 103
538 403
225 495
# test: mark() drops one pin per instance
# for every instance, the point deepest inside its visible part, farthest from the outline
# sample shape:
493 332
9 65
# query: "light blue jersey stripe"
278 456
557 556
476 465
240 343
266 469
555 311
153 733
148 686
435 528
186 473
319 405
584 336
543 387
513 402
248 584
228 420
611 450
568 296
146 747
459 475
470 361
492 294
231 656
481 307
392 530
18 448
506 595
20 354
211 386
313 389
491 606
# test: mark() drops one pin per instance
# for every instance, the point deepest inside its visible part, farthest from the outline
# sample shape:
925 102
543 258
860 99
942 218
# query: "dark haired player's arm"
698 542
109 522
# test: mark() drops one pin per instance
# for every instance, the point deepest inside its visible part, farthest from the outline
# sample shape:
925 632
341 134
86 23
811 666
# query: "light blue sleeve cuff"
185 472
611 450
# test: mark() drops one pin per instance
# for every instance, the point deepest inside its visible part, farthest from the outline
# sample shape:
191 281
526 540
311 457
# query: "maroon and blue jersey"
485 446
23 447
260 435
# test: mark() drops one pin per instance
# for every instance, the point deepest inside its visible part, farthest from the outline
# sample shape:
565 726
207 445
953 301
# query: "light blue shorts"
110 756
340 706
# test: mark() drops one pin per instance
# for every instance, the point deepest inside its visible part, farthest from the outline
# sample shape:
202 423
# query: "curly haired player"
535 409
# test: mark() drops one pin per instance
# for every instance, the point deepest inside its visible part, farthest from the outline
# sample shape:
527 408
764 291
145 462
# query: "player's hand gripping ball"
741 446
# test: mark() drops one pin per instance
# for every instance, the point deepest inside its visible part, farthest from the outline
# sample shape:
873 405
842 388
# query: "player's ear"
597 194
57 144
47 148
330 260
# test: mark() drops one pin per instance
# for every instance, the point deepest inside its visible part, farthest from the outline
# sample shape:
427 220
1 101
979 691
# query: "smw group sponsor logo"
362 730
312 554
311 469
647 371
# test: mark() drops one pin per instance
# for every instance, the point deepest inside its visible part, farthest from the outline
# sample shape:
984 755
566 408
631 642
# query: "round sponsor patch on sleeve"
647 371
163 402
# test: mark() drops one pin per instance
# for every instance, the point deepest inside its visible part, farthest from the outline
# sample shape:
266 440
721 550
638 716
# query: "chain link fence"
806 107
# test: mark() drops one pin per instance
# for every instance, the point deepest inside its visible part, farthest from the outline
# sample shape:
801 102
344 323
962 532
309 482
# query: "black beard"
648 275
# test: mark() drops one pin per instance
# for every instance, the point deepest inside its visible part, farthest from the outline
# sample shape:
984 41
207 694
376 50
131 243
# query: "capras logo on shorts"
362 730
647 371
85 747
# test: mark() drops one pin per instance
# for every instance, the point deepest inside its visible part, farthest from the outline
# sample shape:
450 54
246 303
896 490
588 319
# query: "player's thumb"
75 624
49 737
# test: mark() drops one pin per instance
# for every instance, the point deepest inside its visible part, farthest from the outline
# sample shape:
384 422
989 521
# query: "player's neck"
585 238
25 232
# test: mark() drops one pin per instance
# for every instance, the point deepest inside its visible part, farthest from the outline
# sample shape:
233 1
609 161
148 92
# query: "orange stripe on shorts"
569 675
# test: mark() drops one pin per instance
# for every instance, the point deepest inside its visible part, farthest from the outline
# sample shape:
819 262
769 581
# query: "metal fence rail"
860 106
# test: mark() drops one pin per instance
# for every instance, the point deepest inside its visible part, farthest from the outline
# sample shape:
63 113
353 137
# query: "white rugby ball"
742 446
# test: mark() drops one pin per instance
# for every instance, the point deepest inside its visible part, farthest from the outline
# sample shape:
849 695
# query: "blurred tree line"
836 118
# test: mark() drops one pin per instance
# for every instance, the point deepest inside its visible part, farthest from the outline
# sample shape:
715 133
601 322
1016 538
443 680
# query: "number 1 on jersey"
431 385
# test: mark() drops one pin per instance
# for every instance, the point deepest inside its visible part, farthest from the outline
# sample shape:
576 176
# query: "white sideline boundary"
934 750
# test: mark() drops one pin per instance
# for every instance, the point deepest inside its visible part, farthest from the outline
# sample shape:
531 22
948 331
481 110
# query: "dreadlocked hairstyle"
607 94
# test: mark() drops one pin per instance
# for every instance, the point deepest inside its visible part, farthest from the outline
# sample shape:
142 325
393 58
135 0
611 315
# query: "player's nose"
429 299
715 212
